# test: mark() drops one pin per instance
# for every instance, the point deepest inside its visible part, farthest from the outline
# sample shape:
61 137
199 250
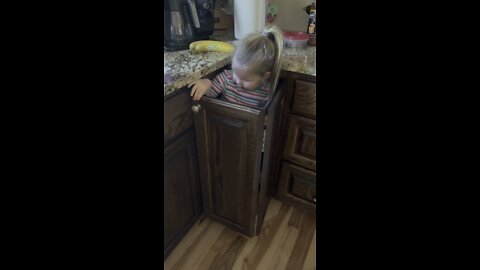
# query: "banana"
211 46
193 44
203 47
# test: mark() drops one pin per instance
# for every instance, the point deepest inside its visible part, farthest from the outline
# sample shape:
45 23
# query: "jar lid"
296 35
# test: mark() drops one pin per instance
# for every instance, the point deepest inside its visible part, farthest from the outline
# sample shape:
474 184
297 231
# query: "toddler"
256 64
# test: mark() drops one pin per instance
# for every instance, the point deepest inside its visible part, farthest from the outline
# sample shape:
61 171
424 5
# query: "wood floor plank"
178 255
265 238
200 249
224 240
286 241
229 253
305 236
310 260
272 210
251 243
283 240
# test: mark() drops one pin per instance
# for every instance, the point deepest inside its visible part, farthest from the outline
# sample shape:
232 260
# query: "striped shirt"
224 84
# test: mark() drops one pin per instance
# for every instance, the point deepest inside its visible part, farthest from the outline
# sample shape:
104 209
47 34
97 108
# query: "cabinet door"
181 195
305 99
271 162
298 187
178 116
301 146
229 141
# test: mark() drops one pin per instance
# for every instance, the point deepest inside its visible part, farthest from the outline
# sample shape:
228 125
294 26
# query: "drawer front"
305 190
301 146
305 99
178 116
298 187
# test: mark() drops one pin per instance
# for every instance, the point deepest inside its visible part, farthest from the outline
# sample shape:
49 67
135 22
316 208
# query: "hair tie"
265 33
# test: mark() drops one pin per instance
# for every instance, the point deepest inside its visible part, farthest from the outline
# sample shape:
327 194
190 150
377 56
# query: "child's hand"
200 88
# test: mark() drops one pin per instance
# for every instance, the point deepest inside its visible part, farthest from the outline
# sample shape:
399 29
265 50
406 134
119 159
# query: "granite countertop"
183 67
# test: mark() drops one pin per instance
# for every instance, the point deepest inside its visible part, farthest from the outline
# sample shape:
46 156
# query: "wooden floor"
287 241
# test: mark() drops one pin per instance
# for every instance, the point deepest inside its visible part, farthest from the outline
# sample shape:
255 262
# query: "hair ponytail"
276 36
263 52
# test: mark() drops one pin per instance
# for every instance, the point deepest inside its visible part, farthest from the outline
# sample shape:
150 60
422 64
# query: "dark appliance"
206 18
186 21
180 17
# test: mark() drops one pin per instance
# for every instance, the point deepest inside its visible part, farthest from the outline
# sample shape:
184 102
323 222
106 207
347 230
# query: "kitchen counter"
184 67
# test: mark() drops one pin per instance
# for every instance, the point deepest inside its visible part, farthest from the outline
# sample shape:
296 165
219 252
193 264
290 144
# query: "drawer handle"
315 199
196 108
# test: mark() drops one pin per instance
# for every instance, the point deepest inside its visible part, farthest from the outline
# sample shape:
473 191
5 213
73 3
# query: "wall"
291 16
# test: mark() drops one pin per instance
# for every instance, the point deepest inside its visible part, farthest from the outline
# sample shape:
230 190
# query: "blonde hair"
262 52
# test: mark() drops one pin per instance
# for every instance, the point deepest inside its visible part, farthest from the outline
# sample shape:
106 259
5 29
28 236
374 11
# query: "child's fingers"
190 85
198 95
194 89
195 96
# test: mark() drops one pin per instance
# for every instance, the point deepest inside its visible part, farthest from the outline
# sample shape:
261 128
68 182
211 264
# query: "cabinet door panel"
230 146
301 142
177 116
272 155
305 99
298 187
182 198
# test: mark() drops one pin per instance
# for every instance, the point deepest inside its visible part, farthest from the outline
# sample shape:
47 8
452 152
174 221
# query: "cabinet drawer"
178 115
301 146
298 187
305 99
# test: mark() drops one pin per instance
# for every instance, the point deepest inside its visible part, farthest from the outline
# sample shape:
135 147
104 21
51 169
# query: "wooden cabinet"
181 195
301 142
226 159
178 115
298 186
234 171
305 99
297 180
